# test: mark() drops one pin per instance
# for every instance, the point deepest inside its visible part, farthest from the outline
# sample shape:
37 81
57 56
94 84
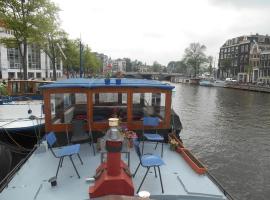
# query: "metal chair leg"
142 146
156 146
74 166
136 170
92 143
60 160
162 149
80 158
61 164
93 146
155 172
143 179
160 180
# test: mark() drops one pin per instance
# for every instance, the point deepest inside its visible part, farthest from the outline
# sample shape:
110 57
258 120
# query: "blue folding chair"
153 137
148 161
63 152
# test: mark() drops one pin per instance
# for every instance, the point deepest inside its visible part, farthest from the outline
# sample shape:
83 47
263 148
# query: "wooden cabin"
96 101
25 87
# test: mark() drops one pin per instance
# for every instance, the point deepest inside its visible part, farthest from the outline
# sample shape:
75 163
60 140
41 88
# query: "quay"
255 88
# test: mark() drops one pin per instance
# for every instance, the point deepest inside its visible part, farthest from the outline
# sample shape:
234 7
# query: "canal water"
229 132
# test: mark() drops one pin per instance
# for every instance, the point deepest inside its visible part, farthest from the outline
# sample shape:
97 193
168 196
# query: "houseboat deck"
179 180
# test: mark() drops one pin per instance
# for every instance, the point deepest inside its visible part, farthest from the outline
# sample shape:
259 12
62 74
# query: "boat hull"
206 83
219 83
26 137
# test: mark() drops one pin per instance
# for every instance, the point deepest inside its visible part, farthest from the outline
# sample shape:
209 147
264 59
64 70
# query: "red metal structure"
113 176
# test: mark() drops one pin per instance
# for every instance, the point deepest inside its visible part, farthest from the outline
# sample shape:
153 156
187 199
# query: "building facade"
118 65
38 63
243 58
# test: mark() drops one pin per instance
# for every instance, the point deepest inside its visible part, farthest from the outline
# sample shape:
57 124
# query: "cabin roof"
99 82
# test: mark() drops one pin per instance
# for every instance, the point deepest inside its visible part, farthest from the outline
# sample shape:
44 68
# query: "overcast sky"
160 30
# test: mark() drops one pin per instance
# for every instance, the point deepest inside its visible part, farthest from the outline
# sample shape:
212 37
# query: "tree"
194 56
71 50
25 19
210 62
156 67
248 69
225 66
51 43
90 61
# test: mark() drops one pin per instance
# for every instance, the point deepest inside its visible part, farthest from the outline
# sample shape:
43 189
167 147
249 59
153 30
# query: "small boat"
119 176
20 90
21 123
207 83
219 83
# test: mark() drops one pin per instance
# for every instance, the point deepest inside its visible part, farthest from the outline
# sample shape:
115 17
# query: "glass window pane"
68 106
148 104
108 105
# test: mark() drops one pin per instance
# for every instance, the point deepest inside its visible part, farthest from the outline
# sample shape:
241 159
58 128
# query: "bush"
3 89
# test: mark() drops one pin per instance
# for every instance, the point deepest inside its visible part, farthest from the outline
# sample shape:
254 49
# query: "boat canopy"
97 83
94 101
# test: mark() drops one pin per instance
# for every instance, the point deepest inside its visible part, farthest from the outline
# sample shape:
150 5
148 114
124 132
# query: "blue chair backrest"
51 139
136 145
150 121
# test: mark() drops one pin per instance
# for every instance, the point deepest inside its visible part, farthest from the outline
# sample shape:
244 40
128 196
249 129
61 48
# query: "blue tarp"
96 83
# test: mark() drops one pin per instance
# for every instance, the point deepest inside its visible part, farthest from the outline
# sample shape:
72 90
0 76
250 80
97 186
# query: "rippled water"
229 131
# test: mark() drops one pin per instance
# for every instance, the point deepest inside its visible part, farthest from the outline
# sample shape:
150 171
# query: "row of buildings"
38 63
108 64
246 58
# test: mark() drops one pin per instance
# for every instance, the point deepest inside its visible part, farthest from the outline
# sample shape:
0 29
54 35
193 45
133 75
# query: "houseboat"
124 172
25 89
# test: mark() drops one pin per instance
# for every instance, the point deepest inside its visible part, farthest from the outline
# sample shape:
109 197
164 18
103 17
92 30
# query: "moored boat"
21 123
219 83
182 176
20 90
207 83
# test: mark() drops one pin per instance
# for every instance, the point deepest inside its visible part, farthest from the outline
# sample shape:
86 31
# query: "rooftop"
99 82
179 180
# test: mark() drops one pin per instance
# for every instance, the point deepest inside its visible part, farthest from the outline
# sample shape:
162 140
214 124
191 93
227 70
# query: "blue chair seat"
151 160
153 137
67 150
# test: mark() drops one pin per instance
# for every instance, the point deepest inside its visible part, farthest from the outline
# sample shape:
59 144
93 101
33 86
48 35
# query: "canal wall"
255 88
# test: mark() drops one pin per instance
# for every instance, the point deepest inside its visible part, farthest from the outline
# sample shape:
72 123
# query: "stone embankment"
249 87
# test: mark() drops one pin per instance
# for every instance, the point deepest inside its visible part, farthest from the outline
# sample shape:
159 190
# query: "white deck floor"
179 180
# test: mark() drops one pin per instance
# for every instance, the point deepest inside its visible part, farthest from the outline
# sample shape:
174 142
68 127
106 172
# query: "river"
229 132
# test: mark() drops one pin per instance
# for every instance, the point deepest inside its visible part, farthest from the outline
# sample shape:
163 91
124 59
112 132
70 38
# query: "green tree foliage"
195 56
177 67
90 62
156 67
26 19
72 53
3 89
51 43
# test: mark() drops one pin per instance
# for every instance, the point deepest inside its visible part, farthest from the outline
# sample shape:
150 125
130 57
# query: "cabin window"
106 105
148 104
68 106
16 88
28 87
